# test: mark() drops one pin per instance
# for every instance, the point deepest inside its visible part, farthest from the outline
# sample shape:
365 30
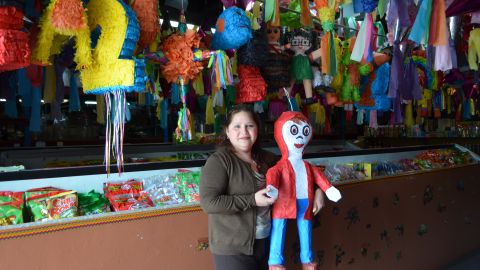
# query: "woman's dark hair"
256 148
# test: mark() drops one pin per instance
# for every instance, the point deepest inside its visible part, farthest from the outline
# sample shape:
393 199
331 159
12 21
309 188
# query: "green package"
92 203
189 185
52 205
11 208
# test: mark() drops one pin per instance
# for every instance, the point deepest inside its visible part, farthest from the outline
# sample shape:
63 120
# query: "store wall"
422 221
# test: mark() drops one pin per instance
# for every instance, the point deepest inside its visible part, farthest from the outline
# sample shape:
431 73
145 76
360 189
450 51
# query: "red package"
122 202
125 187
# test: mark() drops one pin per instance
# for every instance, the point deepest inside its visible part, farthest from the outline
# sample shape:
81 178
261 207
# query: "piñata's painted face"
296 134
300 44
273 33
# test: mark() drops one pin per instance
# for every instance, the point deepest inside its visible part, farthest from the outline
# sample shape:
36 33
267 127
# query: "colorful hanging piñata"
61 20
14 49
114 71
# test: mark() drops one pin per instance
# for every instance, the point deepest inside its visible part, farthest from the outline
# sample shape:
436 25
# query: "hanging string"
108 134
288 98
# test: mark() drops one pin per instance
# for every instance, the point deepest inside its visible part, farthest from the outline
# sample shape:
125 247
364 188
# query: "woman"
233 193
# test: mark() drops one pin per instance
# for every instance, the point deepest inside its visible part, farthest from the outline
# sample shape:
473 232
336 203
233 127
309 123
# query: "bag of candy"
124 187
122 202
163 190
189 184
11 208
51 203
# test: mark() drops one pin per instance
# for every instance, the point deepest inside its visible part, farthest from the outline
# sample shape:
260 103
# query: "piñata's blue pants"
279 229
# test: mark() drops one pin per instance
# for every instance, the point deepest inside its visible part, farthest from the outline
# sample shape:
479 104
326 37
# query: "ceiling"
198 12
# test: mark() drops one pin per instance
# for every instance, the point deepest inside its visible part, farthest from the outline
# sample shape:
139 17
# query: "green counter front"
412 220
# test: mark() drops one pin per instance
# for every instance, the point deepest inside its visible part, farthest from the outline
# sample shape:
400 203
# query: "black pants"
259 259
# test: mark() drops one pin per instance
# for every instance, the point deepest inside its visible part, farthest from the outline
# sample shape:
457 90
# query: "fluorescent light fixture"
20 100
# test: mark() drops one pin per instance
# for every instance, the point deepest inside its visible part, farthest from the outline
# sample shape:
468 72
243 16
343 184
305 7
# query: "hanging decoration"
276 69
350 91
147 14
421 27
291 18
303 43
305 15
180 69
272 12
251 57
114 71
14 47
363 43
326 13
61 20
232 29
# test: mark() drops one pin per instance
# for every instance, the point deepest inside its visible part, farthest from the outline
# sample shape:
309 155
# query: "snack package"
189 185
124 187
163 190
92 203
51 203
127 195
122 202
11 208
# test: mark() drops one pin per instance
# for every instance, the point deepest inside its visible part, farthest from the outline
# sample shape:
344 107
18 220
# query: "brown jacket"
227 194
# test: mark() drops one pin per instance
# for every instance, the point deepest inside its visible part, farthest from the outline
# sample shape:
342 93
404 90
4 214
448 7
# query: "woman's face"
242 132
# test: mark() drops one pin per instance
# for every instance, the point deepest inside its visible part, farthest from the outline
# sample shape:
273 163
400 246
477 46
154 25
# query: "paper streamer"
421 26
364 37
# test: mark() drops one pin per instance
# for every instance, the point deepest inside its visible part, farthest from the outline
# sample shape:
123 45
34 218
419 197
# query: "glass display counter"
50 157
175 230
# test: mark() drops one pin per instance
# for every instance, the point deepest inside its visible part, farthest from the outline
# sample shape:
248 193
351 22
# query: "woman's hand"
318 201
261 198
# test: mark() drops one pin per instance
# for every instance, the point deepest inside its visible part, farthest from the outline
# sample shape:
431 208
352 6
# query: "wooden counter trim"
58 225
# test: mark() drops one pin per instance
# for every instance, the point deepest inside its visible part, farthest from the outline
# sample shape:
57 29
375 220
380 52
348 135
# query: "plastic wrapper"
189 185
344 172
92 203
386 168
163 190
124 187
50 203
11 208
130 201
126 195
